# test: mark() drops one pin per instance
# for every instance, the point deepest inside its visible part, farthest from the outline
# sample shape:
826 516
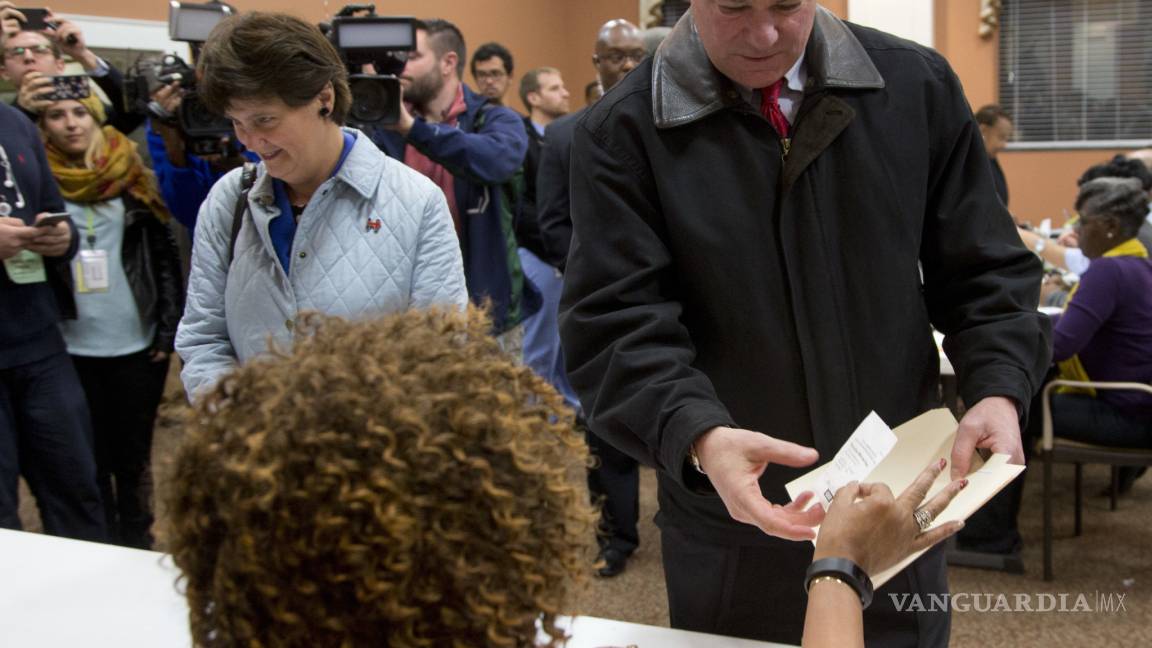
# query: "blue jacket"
482 153
183 188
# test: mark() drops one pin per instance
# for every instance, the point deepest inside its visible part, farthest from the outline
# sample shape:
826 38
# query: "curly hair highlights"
395 482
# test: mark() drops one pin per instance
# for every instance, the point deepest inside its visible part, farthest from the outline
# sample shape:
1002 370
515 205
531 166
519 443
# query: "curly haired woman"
395 482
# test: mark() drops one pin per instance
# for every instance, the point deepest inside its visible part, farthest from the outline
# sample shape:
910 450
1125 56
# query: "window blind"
1077 73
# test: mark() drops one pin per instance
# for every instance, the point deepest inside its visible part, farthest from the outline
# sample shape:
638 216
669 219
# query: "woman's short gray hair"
1121 198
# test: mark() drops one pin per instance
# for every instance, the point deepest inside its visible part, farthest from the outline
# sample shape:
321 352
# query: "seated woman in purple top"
1105 332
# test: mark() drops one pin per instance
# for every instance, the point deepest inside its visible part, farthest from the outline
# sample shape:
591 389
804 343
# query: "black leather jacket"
152 265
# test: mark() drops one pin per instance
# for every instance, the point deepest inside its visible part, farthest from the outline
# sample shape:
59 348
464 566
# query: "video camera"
382 42
204 132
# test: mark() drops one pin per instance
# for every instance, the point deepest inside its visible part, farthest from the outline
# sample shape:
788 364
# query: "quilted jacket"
376 238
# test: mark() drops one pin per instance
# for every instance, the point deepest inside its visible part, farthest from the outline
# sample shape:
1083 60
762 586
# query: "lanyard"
90 228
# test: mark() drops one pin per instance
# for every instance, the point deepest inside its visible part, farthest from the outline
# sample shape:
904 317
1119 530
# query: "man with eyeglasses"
770 215
32 58
492 69
616 480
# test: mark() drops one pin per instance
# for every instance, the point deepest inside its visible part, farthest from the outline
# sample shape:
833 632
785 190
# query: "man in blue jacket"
45 431
469 147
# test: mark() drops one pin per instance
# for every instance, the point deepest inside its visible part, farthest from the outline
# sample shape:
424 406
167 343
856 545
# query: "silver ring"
923 519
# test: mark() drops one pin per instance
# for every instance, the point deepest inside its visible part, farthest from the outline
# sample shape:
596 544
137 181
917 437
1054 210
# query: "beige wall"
1042 184
558 33
561 33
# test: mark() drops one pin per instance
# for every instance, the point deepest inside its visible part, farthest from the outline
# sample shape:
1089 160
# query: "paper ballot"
865 449
918 442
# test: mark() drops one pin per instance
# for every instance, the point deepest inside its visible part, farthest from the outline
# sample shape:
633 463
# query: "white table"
59 593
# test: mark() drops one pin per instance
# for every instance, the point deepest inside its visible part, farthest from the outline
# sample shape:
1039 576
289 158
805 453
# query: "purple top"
1108 324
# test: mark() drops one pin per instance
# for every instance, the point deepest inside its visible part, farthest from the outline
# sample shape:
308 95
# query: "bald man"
619 48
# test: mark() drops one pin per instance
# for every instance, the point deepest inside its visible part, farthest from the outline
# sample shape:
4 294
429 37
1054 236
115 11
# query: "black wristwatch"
843 570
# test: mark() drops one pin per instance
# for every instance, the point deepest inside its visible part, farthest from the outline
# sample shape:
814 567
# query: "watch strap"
844 570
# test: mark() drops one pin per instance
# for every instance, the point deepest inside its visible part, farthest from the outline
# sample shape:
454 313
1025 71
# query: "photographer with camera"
32 58
469 147
325 222
185 178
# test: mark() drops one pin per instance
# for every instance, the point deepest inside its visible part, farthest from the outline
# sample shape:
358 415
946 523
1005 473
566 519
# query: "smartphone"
69 86
37 20
51 220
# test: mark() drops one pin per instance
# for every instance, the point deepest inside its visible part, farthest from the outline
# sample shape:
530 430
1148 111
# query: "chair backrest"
1046 402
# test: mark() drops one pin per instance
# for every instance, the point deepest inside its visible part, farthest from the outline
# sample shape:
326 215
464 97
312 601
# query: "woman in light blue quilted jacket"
329 224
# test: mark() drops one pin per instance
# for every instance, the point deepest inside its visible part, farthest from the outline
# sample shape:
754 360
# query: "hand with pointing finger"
875 530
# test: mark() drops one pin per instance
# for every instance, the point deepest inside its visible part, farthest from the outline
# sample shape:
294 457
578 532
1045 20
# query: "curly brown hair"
394 482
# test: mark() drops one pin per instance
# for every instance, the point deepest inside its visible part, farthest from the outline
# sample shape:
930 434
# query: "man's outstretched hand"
734 459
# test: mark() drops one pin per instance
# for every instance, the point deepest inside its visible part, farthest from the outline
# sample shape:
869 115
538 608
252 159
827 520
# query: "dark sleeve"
490 156
1092 304
119 117
183 188
552 205
48 196
169 284
629 356
981 284
527 224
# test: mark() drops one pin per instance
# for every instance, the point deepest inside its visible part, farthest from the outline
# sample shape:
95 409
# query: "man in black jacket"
769 217
615 481
45 432
32 58
543 93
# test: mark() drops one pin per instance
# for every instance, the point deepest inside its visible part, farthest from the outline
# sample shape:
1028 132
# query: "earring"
324 112
1109 234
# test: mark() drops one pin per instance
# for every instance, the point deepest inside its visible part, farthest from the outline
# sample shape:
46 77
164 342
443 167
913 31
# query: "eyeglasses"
616 57
484 75
17 52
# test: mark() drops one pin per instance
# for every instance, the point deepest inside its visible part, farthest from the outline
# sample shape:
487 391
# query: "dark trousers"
1079 417
45 433
123 395
758 593
615 484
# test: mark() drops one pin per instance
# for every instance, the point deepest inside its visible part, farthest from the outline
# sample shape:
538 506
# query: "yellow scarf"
119 169
1072 368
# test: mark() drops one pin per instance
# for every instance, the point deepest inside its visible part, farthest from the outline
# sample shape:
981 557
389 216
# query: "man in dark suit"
616 480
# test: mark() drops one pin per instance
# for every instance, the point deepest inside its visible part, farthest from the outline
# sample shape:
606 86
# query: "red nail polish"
963 484
943 462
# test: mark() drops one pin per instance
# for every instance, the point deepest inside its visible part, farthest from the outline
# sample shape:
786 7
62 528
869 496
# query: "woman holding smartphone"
129 298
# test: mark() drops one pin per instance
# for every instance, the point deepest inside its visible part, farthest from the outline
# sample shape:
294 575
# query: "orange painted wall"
1042 184
557 33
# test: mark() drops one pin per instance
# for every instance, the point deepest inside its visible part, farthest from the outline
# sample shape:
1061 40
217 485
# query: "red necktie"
770 108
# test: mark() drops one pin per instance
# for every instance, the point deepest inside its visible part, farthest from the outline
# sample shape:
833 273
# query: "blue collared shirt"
282 229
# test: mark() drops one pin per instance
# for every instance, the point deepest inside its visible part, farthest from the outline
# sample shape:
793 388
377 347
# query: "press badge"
25 268
91 271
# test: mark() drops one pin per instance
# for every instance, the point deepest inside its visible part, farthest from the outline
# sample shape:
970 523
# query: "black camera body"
382 42
203 132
